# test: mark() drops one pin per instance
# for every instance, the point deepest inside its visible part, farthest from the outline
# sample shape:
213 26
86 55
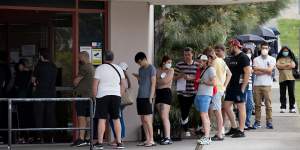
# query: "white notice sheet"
181 85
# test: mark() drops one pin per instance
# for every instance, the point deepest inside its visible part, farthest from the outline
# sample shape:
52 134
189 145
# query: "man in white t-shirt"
109 81
263 66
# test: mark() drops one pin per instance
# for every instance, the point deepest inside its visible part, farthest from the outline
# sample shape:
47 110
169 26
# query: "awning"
194 2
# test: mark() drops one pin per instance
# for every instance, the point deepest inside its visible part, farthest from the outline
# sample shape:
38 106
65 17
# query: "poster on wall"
87 49
28 50
97 56
97 53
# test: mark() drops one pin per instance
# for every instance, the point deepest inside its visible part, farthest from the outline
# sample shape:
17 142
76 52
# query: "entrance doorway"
26 29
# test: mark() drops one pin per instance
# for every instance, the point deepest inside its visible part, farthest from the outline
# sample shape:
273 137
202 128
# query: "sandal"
217 138
150 145
141 144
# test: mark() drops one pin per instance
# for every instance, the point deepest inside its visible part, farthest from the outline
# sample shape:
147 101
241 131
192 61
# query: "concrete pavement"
284 136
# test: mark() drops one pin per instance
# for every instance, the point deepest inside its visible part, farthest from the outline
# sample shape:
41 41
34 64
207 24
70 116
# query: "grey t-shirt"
145 75
203 88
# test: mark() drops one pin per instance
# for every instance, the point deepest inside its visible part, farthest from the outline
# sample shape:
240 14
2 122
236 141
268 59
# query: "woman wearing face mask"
249 92
164 95
286 62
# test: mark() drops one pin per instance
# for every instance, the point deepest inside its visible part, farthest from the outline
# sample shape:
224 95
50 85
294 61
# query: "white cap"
249 45
203 57
123 66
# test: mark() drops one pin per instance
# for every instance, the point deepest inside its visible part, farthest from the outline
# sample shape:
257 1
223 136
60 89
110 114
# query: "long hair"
85 57
291 55
163 60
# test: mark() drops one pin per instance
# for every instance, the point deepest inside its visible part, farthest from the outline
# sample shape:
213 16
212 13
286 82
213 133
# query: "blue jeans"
111 123
249 106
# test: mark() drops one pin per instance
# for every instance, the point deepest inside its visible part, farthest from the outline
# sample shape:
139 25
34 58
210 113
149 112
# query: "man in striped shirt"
186 70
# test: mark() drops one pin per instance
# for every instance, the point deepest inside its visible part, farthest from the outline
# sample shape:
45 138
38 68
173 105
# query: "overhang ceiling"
194 2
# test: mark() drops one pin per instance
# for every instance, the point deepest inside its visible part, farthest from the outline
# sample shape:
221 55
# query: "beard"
232 52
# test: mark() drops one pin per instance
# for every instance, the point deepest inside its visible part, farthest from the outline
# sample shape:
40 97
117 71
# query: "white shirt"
265 79
109 80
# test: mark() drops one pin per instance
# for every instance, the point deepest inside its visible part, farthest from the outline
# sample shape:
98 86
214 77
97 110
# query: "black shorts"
144 107
83 108
108 105
163 96
235 95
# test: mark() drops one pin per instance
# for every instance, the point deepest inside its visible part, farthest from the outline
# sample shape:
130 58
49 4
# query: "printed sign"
97 56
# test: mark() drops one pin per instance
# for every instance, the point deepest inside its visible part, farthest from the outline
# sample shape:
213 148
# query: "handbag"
296 73
126 99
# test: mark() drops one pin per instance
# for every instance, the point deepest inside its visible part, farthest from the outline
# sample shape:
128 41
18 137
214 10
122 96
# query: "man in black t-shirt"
239 65
44 81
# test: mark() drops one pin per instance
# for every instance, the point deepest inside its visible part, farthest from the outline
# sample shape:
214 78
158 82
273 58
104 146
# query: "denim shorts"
216 102
202 103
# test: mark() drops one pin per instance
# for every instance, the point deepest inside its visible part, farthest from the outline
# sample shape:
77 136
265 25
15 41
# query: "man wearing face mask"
263 66
239 65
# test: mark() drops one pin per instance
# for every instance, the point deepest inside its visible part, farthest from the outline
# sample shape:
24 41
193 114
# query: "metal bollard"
199 146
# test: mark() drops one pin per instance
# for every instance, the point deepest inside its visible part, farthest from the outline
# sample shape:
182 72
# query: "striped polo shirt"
187 69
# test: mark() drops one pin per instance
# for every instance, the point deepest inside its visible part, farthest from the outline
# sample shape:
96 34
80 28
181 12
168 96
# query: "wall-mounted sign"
97 56
87 49
97 53
28 50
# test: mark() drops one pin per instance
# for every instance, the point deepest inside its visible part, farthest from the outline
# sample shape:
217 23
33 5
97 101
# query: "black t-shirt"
236 65
23 80
45 73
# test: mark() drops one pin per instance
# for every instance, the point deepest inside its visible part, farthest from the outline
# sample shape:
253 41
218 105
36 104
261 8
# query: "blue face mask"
285 53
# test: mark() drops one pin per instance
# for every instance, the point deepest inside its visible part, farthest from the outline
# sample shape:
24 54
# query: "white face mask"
264 52
168 65
249 55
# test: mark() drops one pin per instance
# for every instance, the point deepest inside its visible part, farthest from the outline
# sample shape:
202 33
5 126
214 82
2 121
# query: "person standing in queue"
163 99
83 88
44 81
185 72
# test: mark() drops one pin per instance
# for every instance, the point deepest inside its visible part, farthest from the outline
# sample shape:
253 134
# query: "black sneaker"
88 142
199 133
217 138
120 146
166 141
98 146
79 143
238 134
231 131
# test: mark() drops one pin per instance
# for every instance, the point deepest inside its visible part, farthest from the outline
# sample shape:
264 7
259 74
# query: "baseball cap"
123 66
235 42
203 57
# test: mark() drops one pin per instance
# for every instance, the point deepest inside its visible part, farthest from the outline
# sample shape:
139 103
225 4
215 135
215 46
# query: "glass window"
40 3
91 29
91 4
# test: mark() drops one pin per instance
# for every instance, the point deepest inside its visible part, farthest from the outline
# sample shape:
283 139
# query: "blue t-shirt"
145 75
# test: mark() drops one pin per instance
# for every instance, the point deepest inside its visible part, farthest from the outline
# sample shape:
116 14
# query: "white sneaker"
183 122
293 111
187 134
204 141
282 110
